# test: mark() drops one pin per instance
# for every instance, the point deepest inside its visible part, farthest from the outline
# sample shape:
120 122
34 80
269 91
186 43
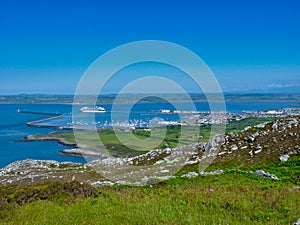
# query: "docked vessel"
97 109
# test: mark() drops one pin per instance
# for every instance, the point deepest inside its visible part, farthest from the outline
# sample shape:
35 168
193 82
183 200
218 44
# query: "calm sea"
13 127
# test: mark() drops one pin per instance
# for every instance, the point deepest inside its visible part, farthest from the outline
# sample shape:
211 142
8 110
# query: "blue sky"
45 47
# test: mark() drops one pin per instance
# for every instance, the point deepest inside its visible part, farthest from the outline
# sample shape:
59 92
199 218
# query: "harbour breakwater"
53 116
36 123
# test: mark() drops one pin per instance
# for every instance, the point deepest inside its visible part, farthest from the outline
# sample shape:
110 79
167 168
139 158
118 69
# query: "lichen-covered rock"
284 157
234 147
190 175
264 174
216 172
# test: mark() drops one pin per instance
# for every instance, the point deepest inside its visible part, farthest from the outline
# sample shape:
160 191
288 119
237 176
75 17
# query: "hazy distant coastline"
127 98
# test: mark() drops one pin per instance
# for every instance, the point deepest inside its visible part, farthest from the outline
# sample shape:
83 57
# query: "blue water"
13 125
12 128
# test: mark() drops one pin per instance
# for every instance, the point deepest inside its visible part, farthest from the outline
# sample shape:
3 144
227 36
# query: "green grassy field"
234 197
237 126
173 136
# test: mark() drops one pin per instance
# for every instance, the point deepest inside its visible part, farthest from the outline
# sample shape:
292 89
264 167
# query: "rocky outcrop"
190 175
273 141
284 157
61 141
264 174
34 171
210 173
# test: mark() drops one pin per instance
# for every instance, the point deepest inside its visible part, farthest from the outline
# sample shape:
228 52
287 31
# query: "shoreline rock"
82 152
60 141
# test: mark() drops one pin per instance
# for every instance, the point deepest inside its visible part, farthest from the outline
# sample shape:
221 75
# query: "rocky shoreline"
75 151
60 141
82 152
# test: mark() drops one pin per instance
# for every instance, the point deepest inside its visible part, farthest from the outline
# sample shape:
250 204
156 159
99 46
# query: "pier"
34 123
53 116
40 113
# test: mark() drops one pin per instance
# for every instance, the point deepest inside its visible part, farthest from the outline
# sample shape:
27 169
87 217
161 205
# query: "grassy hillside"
233 197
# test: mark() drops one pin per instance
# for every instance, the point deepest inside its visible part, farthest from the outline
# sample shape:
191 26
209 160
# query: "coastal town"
187 118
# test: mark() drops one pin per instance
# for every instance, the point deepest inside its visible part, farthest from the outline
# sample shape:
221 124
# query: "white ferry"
97 109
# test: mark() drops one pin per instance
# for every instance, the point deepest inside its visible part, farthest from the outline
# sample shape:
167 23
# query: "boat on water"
97 109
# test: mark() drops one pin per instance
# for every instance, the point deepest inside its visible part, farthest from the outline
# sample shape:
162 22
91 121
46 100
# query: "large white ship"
97 109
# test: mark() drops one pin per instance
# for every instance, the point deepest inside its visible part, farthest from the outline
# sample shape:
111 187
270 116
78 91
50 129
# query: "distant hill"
271 90
127 98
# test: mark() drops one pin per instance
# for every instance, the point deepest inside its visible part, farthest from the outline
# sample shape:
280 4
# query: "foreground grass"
231 198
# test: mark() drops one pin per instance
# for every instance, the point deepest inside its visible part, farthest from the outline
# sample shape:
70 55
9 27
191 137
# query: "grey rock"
214 142
274 126
102 183
264 174
233 147
247 128
190 175
297 222
250 138
261 125
258 149
216 172
284 157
